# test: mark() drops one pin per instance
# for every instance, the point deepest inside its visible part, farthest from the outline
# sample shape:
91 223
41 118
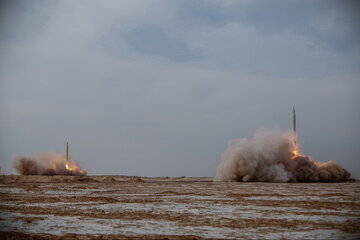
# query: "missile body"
294 120
294 123
67 151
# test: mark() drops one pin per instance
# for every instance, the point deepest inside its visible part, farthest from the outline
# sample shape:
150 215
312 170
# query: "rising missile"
294 123
67 151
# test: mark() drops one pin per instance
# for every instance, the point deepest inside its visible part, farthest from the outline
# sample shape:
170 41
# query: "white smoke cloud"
269 157
47 164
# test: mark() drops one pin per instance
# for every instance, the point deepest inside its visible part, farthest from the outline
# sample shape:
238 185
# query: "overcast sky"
158 88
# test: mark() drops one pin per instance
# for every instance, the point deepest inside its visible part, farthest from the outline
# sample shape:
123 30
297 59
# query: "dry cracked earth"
120 207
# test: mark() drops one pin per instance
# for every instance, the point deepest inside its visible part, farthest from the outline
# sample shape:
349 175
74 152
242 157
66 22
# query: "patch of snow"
299 198
59 225
196 197
12 191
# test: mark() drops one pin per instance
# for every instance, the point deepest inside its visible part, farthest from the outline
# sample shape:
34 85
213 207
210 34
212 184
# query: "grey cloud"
154 41
331 24
21 19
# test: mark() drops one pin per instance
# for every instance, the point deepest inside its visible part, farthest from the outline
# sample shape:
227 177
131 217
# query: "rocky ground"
119 207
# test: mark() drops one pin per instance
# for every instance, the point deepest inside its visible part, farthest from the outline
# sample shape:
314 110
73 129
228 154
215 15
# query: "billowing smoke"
47 164
271 156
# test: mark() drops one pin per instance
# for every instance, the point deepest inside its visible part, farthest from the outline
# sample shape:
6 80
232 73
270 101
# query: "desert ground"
121 207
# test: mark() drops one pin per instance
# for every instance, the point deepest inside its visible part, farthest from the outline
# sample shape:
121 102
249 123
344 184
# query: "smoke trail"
270 156
47 164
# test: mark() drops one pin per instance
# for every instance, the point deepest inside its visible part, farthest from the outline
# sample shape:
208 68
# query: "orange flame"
73 169
296 153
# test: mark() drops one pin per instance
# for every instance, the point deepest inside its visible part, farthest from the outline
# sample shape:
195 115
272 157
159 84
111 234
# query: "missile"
294 123
67 151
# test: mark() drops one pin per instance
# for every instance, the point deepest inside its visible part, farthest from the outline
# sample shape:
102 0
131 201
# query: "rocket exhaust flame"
47 164
295 154
273 156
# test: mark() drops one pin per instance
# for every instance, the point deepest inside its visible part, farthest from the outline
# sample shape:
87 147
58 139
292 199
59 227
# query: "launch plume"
272 156
47 164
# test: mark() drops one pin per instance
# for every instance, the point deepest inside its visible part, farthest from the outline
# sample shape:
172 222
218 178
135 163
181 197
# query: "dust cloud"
272 156
47 164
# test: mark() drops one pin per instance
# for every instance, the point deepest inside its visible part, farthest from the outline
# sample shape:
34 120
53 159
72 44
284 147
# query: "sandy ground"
119 207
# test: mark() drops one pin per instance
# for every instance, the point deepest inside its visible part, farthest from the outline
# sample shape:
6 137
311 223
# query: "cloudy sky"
158 88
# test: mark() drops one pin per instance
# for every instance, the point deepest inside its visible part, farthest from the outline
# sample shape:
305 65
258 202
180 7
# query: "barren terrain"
119 207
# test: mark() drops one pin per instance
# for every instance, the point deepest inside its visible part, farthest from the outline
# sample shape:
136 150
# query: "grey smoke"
269 157
47 164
